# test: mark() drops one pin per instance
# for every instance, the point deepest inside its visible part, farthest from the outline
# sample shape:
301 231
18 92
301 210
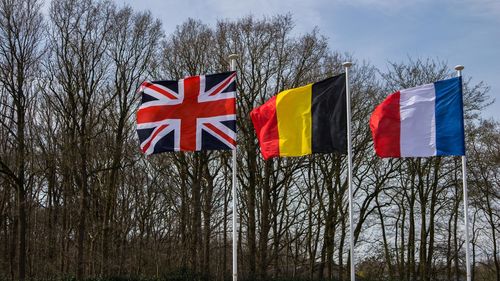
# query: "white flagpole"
349 168
459 69
232 59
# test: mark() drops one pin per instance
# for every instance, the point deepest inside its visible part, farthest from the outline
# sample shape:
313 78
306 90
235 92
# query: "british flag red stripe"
194 113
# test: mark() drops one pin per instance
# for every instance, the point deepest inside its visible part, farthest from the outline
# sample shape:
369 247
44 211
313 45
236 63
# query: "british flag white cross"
194 113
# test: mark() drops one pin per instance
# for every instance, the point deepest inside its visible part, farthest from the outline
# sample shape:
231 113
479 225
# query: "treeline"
77 198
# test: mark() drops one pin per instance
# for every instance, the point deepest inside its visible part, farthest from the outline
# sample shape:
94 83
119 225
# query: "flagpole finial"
232 61
347 64
459 67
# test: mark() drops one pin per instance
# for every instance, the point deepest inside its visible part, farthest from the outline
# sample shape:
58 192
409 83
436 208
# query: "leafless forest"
78 199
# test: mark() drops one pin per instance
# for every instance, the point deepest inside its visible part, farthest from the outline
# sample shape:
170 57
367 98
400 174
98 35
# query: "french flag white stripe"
418 121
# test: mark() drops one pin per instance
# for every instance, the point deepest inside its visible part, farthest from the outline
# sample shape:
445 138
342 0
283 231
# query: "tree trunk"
196 215
83 206
402 263
13 246
252 248
423 238
388 259
493 222
343 235
432 215
22 233
411 232
207 215
449 257
329 232
111 196
19 101
265 222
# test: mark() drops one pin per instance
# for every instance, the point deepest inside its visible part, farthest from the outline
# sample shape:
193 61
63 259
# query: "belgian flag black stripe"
329 115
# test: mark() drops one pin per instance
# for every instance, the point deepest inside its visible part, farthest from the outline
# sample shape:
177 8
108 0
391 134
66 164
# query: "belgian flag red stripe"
265 122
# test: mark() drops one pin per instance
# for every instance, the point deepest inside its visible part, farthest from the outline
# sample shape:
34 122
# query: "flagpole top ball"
459 67
347 64
233 56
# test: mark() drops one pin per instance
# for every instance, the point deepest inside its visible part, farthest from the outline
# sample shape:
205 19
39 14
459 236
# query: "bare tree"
21 34
485 147
133 43
79 66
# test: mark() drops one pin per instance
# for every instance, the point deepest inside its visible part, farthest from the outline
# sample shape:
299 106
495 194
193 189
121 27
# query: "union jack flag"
194 113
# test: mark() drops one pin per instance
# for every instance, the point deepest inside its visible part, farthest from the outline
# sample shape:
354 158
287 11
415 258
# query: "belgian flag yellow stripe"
293 109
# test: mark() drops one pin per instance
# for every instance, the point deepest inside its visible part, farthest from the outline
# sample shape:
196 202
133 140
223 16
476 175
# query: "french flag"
420 122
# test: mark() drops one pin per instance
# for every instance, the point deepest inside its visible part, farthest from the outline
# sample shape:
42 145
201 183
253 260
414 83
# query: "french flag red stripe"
385 124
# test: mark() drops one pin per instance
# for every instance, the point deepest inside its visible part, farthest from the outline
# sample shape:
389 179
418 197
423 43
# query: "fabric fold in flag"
304 120
420 122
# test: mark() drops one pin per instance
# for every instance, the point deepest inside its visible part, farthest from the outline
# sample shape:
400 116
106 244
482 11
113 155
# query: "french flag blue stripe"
449 117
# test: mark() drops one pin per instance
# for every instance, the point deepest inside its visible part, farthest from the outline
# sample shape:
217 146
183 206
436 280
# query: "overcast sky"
457 31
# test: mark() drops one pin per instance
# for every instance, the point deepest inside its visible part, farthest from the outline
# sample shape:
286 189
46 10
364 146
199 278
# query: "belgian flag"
305 120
